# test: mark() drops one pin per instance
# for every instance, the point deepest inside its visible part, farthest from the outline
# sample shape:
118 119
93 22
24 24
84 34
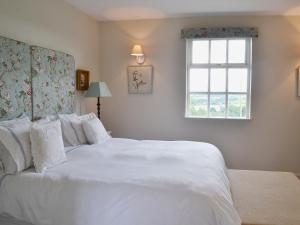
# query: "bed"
125 182
116 182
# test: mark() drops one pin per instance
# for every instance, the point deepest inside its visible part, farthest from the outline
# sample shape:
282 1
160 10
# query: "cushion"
43 120
69 136
73 133
9 118
47 145
1 169
78 129
1 166
15 147
52 117
94 131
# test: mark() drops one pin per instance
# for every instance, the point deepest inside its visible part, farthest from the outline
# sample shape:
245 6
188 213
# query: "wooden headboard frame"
35 81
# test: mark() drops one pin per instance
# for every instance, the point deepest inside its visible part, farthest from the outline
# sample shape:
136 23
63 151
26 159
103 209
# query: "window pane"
198 105
198 80
217 106
236 51
237 106
218 51
218 80
237 80
200 52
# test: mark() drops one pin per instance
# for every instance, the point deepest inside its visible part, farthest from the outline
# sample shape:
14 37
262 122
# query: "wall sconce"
137 51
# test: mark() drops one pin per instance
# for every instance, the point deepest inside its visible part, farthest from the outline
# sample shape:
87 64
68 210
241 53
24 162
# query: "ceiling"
149 9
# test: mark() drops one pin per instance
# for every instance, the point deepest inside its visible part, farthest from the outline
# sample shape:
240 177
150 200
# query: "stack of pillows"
41 143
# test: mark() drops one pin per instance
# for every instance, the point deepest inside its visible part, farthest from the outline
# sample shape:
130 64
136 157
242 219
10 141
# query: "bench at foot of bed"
266 198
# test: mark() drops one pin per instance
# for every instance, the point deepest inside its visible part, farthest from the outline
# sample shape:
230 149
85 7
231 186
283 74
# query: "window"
218 78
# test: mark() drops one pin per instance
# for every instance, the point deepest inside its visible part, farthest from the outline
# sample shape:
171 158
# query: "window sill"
229 119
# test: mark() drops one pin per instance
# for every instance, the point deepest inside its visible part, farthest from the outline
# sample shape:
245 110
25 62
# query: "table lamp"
98 89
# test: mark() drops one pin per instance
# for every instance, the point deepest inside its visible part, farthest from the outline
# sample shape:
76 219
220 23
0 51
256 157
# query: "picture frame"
140 79
82 80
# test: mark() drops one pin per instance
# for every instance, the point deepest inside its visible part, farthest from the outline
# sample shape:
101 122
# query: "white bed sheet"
126 182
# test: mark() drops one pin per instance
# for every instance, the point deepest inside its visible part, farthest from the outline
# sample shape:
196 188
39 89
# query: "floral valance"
219 32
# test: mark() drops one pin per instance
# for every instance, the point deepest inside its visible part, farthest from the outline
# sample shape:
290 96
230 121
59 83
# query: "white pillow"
15 148
94 131
1 166
47 145
43 120
1 169
73 133
78 129
51 117
68 132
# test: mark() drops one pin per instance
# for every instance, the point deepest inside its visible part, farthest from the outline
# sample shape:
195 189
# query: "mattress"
126 182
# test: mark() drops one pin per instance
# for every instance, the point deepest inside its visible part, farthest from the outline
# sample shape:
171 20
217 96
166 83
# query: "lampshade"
137 50
98 89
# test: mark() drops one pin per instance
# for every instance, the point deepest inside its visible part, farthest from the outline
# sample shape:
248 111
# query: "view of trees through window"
218 78
236 106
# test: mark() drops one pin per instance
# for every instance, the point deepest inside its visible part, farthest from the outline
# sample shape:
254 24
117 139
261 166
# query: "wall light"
137 51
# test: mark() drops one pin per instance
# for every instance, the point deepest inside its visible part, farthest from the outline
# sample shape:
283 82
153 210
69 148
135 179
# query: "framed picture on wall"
82 80
140 79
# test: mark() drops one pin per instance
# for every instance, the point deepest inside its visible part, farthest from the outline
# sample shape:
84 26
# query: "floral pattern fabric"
35 81
219 32
15 79
53 82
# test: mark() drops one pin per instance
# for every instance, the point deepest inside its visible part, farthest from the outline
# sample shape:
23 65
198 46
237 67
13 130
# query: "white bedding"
126 182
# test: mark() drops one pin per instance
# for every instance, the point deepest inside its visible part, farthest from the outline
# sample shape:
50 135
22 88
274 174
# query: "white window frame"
247 64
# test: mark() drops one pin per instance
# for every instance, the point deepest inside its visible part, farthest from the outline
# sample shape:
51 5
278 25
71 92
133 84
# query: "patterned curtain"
219 32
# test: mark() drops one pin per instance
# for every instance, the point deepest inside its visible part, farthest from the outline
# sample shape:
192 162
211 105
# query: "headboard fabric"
53 82
15 79
35 81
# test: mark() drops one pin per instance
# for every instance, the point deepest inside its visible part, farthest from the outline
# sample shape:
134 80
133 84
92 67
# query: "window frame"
247 64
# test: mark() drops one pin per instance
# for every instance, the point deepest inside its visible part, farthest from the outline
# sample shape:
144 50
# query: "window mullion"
226 96
249 79
188 66
205 92
237 93
231 65
208 100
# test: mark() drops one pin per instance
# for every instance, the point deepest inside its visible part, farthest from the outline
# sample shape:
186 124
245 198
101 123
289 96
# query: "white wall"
270 141
57 25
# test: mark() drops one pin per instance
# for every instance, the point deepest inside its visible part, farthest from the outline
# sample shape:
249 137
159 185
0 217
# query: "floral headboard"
35 81
15 79
53 82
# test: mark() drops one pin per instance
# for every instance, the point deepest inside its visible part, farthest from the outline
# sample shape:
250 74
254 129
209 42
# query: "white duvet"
126 182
